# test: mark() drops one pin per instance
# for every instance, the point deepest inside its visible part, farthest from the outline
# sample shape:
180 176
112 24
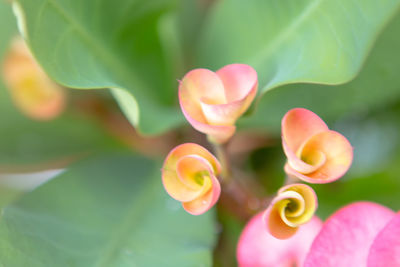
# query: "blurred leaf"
290 41
103 44
109 211
24 141
8 27
378 84
382 187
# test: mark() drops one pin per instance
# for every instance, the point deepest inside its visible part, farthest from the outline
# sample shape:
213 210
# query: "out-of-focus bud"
32 91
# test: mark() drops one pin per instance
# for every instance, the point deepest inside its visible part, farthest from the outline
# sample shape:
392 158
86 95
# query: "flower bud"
315 154
294 205
189 176
213 101
32 91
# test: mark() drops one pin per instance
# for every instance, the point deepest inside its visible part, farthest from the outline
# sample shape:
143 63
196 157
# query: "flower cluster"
314 154
212 102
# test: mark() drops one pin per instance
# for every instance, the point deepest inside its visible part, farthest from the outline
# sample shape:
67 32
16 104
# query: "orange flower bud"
213 101
189 176
294 205
315 154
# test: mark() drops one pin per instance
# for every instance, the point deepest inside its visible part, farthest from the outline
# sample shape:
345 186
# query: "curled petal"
346 237
31 89
295 205
212 102
337 155
315 154
385 250
298 125
204 202
188 176
257 247
190 149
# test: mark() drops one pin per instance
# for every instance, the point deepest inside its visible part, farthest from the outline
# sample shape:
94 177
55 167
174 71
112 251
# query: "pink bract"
189 176
315 154
385 250
347 236
213 101
258 248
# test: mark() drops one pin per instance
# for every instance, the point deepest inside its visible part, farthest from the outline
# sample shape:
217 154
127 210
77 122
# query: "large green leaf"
109 211
377 85
103 44
316 41
24 141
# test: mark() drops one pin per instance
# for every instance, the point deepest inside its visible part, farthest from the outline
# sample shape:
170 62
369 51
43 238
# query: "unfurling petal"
294 205
346 237
31 89
315 154
189 176
257 247
213 101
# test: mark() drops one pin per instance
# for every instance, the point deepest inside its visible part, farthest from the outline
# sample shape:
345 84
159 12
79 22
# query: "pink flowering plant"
221 133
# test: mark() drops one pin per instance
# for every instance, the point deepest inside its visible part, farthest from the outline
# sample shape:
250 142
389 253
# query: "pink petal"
239 80
298 125
212 102
191 105
240 85
385 250
338 156
257 247
347 235
223 114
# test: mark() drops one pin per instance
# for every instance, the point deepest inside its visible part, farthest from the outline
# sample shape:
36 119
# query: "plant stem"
222 156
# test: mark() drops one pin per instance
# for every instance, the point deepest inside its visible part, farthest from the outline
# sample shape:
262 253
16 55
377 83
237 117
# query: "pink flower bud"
189 176
213 101
315 154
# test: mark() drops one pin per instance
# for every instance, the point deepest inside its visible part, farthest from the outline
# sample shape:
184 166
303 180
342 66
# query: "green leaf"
109 211
37 145
8 27
382 187
103 44
30 143
315 41
376 86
